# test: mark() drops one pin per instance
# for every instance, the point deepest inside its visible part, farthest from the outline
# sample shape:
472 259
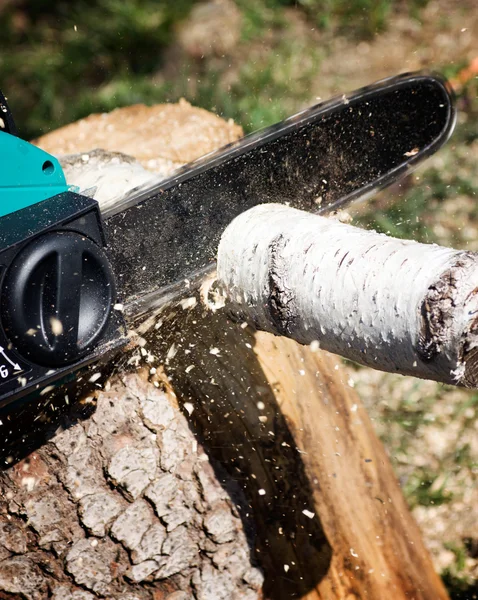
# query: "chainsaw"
73 280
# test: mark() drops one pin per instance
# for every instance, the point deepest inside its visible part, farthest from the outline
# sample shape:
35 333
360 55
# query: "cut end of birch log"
394 305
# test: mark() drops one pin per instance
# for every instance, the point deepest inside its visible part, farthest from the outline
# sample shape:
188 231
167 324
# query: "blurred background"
258 61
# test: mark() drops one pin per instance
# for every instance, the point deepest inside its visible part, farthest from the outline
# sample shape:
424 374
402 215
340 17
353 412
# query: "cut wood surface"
217 463
161 137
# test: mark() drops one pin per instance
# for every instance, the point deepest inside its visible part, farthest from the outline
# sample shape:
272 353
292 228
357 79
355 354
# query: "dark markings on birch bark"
437 320
280 301
437 315
470 378
469 353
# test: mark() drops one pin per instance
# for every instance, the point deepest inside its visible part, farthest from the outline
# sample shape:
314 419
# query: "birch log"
394 305
216 464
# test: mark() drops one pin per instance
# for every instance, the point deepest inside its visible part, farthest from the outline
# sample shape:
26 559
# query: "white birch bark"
109 176
391 304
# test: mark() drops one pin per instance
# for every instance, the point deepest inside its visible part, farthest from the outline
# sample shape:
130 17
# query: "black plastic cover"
57 294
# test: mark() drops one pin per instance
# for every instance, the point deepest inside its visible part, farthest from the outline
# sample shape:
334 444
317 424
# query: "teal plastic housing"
28 175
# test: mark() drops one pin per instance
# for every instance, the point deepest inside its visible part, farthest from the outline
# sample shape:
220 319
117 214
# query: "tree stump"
215 463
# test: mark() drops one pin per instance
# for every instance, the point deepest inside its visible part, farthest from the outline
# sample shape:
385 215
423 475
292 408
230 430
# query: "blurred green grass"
62 60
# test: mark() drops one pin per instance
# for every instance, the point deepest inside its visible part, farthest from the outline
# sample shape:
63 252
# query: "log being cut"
393 305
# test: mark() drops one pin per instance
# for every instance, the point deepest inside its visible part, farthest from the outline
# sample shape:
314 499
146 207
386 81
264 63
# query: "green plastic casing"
29 174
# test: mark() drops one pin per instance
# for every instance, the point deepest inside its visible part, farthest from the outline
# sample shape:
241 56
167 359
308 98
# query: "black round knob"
57 297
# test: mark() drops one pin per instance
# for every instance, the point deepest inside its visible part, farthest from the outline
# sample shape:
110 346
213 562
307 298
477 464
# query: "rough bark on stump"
125 503
118 500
